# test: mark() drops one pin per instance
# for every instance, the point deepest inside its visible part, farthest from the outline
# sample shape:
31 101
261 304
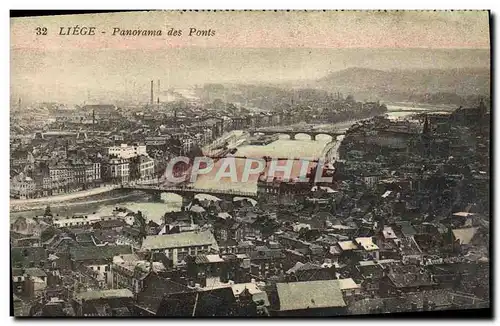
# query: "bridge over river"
187 193
292 132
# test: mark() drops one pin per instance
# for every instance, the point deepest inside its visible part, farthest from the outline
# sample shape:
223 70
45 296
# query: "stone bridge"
292 133
265 158
187 193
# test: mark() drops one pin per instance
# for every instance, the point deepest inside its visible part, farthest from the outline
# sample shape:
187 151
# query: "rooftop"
179 240
347 245
206 259
309 295
389 233
104 294
367 243
101 252
348 284
464 235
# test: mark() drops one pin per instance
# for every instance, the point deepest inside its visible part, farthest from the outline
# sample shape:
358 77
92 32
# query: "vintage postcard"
250 163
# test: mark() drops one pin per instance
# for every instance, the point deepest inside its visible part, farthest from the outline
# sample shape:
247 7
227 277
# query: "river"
302 146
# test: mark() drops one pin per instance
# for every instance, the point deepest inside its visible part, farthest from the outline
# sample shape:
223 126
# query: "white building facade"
127 151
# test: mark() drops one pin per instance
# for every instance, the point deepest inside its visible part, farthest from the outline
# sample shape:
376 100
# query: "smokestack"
152 95
158 93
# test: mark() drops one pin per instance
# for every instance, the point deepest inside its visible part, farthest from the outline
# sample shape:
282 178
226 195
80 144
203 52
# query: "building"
349 287
22 186
21 158
93 172
177 246
28 256
218 302
215 269
35 282
126 151
103 303
266 262
154 288
98 259
254 289
187 145
77 220
404 279
21 278
129 270
312 298
214 125
309 272
142 167
117 170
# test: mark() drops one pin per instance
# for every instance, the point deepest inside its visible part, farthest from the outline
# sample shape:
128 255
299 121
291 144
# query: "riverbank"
17 205
421 106
32 207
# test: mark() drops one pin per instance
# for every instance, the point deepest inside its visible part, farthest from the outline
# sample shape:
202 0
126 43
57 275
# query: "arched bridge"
188 193
292 133
265 158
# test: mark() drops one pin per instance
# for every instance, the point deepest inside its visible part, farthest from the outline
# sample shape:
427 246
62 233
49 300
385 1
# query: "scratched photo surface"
250 163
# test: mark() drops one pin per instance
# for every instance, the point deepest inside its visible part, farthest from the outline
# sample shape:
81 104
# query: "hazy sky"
247 47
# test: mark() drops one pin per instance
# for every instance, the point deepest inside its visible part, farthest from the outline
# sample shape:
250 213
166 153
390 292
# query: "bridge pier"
313 136
156 196
186 199
292 136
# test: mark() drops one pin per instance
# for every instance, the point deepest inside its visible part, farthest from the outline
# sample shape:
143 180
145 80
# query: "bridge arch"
207 196
300 135
257 133
285 135
323 136
171 196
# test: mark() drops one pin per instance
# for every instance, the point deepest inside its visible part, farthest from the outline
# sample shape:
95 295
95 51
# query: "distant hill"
460 87
400 85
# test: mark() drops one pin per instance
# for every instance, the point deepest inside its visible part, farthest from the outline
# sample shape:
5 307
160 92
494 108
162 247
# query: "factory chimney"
152 95
158 93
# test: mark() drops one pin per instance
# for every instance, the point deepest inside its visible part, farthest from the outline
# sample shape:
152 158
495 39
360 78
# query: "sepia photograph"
250 164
